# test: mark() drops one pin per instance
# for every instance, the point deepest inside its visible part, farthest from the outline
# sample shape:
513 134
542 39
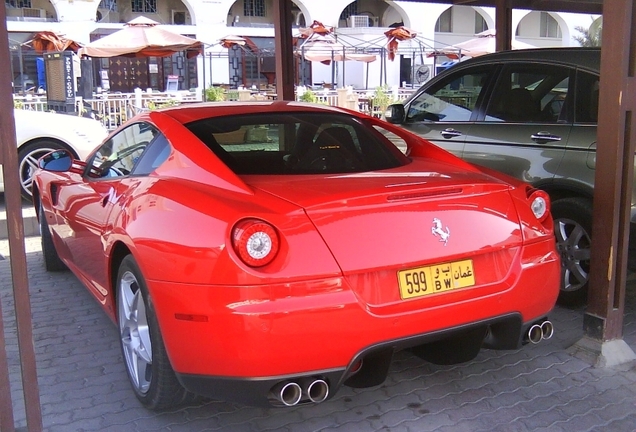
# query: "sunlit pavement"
83 384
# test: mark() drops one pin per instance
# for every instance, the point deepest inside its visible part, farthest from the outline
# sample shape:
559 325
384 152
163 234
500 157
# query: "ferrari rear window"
296 143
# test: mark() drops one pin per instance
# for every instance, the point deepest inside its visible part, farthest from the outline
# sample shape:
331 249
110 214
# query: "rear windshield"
296 143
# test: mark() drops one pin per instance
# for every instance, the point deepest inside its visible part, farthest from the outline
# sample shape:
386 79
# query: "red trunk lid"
424 212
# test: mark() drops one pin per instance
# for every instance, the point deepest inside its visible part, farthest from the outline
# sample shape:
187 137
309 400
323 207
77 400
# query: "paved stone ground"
83 383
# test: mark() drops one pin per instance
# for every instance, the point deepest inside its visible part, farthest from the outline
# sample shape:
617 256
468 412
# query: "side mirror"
58 161
395 114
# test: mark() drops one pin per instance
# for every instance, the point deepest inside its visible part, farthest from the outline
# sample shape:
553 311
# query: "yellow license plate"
439 278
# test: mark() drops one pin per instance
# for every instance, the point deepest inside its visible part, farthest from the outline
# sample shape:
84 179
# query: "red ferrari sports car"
269 253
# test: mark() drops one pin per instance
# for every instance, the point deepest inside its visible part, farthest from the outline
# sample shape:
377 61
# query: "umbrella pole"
413 70
343 66
386 71
21 68
203 70
333 71
211 80
366 85
381 66
258 71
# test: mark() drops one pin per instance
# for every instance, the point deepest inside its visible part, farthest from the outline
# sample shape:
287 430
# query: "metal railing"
115 109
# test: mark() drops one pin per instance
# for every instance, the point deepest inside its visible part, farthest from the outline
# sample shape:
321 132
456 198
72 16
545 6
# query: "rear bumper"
505 332
231 341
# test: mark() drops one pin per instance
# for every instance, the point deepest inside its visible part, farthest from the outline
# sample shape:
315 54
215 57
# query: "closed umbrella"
46 41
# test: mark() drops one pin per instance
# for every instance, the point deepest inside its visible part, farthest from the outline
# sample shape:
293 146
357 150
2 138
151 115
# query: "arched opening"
540 29
370 13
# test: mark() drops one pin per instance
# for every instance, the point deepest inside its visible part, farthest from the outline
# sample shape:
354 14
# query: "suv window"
453 99
586 106
527 94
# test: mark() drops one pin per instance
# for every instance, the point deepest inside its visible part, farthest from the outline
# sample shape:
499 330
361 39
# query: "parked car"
269 253
38 133
531 114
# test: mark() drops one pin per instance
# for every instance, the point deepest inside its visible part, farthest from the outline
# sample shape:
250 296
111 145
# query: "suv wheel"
572 229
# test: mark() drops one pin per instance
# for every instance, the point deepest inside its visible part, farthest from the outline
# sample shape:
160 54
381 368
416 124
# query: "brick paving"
83 384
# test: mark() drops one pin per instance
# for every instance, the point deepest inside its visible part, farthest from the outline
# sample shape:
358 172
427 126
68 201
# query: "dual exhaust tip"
539 331
290 393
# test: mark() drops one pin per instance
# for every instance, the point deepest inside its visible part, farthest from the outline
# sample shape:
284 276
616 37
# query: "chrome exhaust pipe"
288 393
535 334
547 329
317 391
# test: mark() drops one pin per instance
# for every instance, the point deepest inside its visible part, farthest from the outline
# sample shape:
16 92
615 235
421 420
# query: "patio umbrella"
320 45
327 49
395 35
142 37
231 40
46 41
483 43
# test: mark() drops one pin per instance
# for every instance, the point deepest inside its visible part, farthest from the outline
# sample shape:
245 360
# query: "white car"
38 133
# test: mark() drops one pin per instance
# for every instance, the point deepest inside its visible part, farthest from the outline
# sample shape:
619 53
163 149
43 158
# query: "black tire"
573 232
52 261
147 365
28 156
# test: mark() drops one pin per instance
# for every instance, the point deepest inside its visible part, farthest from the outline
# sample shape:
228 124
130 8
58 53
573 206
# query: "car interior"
295 144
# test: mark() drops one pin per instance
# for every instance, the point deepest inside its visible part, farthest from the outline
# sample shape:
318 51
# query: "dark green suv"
531 114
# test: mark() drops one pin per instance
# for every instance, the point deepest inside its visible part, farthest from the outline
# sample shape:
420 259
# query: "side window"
586 103
453 99
155 155
117 156
526 93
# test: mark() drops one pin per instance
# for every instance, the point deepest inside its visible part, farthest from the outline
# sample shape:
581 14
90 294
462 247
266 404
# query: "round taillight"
255 242
540 204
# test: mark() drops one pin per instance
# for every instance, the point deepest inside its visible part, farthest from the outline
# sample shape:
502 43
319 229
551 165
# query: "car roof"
586 58
191 112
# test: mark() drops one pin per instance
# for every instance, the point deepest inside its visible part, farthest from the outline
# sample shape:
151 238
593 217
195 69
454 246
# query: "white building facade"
359 25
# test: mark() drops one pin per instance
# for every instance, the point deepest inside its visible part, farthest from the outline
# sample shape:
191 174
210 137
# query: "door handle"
450 133
544 137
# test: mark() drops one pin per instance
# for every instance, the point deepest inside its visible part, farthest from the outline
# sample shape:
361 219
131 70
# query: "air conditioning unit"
358 21
33 13
180 17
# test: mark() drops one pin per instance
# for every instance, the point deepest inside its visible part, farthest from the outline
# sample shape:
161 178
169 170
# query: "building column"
602 344
284 45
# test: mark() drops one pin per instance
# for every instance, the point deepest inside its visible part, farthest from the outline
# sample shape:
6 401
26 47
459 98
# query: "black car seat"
333 150
519 106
